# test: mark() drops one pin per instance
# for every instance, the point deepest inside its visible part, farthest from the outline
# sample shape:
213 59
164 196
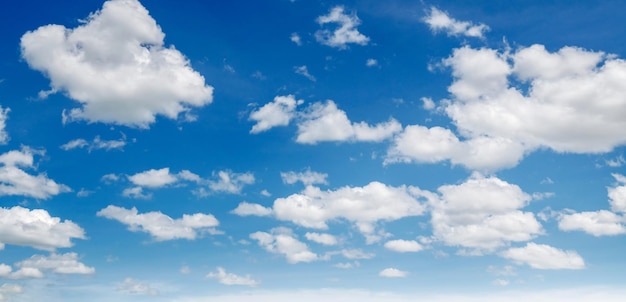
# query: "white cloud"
230 182
57 263
282 241
393 273
160 226
617 194
325 122
440 21
363 206
347 265
617 162
295 38
599 223
109 178
96 144
136 192
4 115
428 103
355 254
116 66
403 246
321 238
231 279
7 290
276 113
482 214
132 286
251 209
346 31
307 177
153 178
541 256
500 282
37 229
7 272
371 62
304 71
15 181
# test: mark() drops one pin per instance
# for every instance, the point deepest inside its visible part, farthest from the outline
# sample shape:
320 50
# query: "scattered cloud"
231 279
132 286
541 256
428 103
153 178
371 62
160 226
96 144
346 31
57 263
616 162
295 38
304 71
7 290
325 239
403 246
116 66
15 181
230 182
440 21
393 273
282 241
251 209
276 113
307 177
4 115
599 223
37 229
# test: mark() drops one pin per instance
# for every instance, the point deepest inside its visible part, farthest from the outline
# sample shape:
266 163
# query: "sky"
361 150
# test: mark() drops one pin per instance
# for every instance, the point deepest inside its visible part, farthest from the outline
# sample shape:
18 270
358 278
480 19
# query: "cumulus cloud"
325 122
7 290
403 246
6 272
15 181
501 122
231 279
37 229
482 214
57 263
4 115
282 241
153 178
276 113
617 194
132 286
231 182
321 238
346 31
251 209
117 67
440 21
393 273
307 177
160 226
363 206
541 256
96 144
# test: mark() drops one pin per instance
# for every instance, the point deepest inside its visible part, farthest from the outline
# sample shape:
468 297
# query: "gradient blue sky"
346 151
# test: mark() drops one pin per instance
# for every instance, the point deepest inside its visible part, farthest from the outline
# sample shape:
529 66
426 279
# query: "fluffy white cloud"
282 241
4 115
325 122
14 180
439 20
132 286
57 263
393 273
116 66
541 256
136 192
231 279
153 178
307 177
599 223
482 214
403 246
160 226
325 239
363 206
231 182
7 290
617 194
276 113
251 209
96 144
346 31
37 229
23 273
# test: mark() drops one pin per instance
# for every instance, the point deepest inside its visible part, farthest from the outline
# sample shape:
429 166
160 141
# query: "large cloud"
14 180
574 102
160 226
117 67
36 228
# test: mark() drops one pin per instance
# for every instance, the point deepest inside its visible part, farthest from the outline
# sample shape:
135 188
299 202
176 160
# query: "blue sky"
280 150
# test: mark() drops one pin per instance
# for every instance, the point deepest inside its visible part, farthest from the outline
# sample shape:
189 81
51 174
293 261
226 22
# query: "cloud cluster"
14 180
117 67
160 226
37 229
346 31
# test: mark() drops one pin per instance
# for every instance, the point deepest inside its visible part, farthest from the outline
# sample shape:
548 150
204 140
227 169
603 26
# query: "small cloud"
304 71
346 31
295 38
84 192
393 273
428 103
371 62
439 21
132 286
500 282
266 193
185 270
547 181
231 279
258 75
